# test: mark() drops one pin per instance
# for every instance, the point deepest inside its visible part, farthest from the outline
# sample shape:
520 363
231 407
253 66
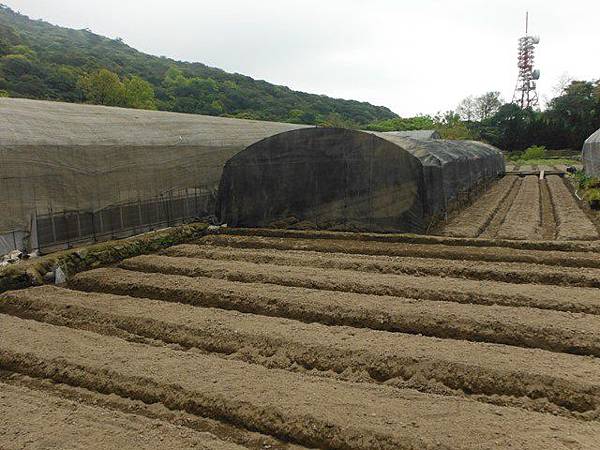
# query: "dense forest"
43 61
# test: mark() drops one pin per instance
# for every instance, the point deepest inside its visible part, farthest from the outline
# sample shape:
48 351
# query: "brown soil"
391 238
547 212
303 409
491 231
278 339
524 216
473 220
478 370
572 221
452 252
476 270
427 288
527 327
37 420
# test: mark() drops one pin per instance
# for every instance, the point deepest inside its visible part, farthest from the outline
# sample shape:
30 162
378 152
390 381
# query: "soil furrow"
524 216
491 231
524 327
391 238
476 270
572 221
547 212
156 412
481 370
426 288
474 219
374 248
302 409
34 419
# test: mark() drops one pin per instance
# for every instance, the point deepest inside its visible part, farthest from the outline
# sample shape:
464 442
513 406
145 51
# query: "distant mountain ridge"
43 61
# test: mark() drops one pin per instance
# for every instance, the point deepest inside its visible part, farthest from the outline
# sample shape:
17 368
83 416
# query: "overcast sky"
413 56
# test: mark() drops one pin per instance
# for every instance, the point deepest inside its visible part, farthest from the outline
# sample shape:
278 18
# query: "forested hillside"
43 61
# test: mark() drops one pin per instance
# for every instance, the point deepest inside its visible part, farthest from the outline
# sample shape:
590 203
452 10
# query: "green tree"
139 93
450 126
422 122
103 88
15 66
575 113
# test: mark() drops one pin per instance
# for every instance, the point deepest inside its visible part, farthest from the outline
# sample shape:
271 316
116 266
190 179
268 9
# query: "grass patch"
544 162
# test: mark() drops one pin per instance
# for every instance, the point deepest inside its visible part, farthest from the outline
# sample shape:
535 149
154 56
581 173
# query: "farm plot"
472 221
523 218
572 223
525 209
290 342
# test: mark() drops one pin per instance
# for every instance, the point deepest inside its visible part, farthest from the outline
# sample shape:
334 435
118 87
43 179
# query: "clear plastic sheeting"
591 155
351 180
57 157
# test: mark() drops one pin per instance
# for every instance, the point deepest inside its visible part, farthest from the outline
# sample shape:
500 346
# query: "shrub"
534 152
592 196
515 156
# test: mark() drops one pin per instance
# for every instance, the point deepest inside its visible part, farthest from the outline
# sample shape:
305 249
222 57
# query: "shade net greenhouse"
351 180
591 155
60 157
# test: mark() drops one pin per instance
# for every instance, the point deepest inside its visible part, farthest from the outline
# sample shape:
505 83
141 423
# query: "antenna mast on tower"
525 91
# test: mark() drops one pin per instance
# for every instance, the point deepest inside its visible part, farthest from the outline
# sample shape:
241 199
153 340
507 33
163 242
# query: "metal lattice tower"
525 91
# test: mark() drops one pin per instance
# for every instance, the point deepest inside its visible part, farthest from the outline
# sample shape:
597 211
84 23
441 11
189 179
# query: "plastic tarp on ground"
591 155
61 156
352 180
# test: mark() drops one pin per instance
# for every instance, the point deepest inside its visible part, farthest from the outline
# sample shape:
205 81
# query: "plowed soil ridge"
562 246
524 216
156 412
480 370
572 221
476 270
491 231
524 327
390 249
426 288
34 419
474 219
306 410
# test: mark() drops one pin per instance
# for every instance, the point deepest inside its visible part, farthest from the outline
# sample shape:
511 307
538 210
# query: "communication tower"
525 91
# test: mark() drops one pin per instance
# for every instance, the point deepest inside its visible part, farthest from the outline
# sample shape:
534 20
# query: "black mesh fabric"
346 179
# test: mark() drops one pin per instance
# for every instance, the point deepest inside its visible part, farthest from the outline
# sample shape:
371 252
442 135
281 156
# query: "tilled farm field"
525 208
253 339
